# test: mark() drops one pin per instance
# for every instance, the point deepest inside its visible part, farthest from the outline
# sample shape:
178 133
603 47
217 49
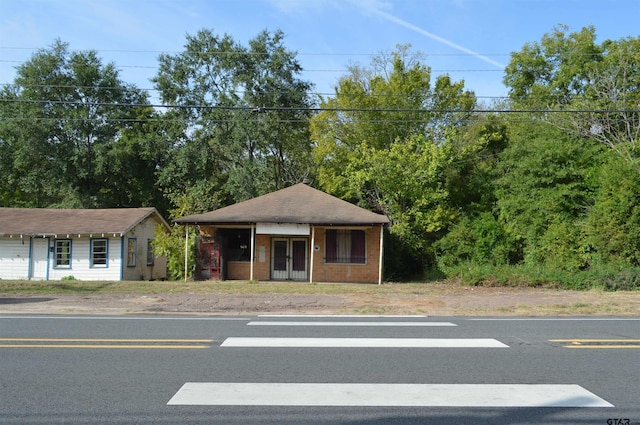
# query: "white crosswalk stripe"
364 342
347 324
376 394
388 395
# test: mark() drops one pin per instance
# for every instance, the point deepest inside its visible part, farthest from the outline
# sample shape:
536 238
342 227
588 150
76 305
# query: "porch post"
380 259
313 244
253 248
186 252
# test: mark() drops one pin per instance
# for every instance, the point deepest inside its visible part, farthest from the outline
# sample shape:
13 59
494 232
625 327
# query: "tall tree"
582 203
244 114
544 191
589 89
64 119
389 140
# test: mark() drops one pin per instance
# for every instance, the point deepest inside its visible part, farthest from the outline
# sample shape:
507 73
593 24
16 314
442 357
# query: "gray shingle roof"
296 204
45 221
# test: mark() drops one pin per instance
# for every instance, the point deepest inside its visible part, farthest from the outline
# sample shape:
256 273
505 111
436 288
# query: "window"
99 252
345 246
131 252
63 253
151 257
238 243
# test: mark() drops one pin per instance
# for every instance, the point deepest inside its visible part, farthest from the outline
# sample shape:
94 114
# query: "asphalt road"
193 370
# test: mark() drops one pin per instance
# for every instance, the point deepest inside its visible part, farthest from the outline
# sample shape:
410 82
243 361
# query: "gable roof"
46 221
299 203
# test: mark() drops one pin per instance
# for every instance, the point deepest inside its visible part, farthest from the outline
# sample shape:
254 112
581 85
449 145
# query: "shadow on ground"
4 301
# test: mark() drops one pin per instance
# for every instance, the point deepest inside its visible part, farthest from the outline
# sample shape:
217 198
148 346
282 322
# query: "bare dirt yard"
432 299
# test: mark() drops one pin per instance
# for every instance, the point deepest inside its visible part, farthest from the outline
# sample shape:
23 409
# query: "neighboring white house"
87 244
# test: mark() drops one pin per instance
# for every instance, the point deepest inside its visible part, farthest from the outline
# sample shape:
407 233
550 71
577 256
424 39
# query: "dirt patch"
439 301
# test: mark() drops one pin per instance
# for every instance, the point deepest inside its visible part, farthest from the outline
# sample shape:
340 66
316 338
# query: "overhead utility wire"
477 119
264 109
221 53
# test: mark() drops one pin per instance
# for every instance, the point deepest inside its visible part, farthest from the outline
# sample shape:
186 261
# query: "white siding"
81 268
14 258
15 261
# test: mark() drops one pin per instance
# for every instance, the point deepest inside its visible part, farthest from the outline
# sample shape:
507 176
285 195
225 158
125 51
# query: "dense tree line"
540 187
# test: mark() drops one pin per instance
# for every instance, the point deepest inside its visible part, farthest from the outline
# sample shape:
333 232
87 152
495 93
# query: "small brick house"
297 233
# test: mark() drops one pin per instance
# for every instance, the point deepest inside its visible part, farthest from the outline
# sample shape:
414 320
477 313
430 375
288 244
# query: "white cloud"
376 7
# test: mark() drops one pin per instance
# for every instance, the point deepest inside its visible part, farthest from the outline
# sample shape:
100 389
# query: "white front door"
39 258
289 259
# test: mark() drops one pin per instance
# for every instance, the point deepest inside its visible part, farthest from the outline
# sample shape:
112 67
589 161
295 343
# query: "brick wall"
368 272
322 271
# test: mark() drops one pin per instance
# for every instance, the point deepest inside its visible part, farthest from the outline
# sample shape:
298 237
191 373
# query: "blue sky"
468 39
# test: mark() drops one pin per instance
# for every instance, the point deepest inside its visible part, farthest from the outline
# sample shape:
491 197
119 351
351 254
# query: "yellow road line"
602 346
100 346
595 340
195 341
601 343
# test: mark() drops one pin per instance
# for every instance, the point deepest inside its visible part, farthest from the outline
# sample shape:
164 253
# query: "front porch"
325 254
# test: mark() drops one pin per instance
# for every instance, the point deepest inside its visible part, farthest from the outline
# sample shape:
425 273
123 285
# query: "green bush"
480 240
613 223
602 278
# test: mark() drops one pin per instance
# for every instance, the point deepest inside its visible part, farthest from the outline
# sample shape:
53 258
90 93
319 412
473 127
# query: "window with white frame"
99 252
62 252
345 246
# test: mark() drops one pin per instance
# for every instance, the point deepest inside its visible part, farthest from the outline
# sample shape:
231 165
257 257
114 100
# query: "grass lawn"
214 287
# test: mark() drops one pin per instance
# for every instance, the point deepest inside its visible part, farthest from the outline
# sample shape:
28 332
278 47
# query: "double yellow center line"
599 343
104 343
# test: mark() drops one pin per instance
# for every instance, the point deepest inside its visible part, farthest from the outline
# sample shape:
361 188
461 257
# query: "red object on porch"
208 265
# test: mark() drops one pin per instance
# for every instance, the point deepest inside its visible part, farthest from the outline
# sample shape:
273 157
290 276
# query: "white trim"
253 257
311 256
284 229
381 255
186 252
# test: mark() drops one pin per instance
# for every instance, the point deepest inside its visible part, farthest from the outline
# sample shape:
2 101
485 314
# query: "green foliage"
409 187
607 278
400 262
622 280
613 223
393 145
244 115
172 245
480 240
554 70
67 135
570 72
543 193
547 197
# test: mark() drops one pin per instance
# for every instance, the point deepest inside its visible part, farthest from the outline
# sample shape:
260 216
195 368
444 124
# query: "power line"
239 92
221 53
264 109
345 70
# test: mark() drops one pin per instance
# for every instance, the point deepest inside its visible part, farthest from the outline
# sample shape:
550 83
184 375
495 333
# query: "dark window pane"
280 255
331 246
358 246
299 256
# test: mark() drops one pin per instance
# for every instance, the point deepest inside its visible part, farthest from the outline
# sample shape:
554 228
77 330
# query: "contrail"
419 30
